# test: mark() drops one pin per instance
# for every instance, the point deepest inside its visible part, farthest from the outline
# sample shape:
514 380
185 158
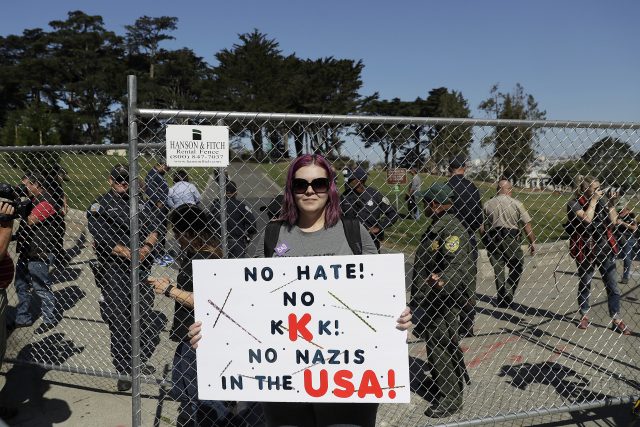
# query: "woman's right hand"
194 334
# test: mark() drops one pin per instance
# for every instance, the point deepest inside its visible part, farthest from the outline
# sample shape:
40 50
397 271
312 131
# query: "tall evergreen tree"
513 146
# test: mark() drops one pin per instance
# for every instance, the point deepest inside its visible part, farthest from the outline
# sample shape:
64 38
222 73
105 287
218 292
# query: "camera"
18 197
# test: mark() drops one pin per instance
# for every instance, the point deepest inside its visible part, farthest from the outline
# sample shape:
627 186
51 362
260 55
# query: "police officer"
441 273
156 189
108 221
468 209
367 204
241 223
504 216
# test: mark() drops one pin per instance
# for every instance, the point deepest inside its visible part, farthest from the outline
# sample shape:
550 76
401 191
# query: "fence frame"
134 114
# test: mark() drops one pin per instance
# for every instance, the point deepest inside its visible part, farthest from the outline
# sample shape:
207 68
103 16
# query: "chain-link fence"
543 338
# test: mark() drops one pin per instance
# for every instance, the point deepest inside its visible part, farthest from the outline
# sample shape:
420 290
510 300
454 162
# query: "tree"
35 125
251 77
86 57
513 146
613 162
322 86
389 137
446 140
146 34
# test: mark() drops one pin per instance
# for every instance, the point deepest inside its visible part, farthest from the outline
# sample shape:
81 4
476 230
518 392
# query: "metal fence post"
136 415
222 183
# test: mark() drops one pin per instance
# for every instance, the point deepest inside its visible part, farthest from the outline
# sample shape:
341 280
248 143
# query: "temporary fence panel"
525 357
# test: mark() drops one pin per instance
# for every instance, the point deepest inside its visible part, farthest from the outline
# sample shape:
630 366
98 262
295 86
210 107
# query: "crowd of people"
312 212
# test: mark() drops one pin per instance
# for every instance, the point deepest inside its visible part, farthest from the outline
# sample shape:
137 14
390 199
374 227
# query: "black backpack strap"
271 234
352 233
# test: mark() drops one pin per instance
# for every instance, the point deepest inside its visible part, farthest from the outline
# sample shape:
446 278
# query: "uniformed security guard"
367 204
441 272
467 207
108 222
241 223
504 216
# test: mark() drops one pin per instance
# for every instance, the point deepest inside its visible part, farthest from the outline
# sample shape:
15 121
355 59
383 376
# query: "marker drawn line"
386 388
220 312
315 364
294 280
236 323
300 336
225 368
351 310
365 312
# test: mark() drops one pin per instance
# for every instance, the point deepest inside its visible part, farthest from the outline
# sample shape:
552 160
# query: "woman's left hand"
404 321
160 284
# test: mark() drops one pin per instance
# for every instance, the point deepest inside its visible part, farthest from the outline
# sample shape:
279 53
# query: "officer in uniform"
367 204
467 207
108 222
241 223
441 272
504 216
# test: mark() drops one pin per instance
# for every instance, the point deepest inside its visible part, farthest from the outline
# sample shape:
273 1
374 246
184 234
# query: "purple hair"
332 212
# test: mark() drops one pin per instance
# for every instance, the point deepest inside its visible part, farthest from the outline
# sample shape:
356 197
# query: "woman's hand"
160 284
194 334
404 321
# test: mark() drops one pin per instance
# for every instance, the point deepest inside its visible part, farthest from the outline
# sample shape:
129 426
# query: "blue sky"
580 59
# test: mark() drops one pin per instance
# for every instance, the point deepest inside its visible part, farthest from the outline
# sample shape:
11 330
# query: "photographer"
592 244
7 270
36 240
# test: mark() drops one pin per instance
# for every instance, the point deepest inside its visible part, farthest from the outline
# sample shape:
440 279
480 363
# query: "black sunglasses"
319 185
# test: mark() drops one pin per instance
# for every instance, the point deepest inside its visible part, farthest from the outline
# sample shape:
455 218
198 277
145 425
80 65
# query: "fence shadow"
25 386
567 382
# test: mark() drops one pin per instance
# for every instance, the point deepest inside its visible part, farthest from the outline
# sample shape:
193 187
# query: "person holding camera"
7 271
36 241
592 217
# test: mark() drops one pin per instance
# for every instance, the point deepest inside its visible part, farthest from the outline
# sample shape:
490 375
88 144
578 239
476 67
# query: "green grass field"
548 209
88 173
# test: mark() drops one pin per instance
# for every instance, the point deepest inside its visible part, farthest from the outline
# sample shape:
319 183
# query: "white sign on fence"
309 329
197 146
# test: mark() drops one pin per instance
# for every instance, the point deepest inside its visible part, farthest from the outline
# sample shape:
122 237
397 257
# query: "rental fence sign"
197 146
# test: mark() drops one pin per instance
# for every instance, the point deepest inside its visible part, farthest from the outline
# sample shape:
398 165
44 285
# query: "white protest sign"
197 146
308 329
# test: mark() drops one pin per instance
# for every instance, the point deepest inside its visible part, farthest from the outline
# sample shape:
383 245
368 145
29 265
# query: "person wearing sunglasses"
108 222
367 204
311 224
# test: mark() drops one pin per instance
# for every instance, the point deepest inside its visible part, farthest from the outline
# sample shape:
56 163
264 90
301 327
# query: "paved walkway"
531 356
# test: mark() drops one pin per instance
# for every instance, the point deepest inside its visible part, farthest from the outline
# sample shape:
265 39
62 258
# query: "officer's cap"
458 162
439 192
357 173
120 173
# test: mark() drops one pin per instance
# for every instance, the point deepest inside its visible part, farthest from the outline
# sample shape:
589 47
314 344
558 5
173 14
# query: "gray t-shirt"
332 241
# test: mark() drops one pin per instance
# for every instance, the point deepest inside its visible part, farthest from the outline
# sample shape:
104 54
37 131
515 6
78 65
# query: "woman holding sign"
311 224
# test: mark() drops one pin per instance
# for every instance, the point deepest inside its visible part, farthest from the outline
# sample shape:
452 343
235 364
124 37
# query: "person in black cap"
467 207
441 272
108 222
367 204
241 223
